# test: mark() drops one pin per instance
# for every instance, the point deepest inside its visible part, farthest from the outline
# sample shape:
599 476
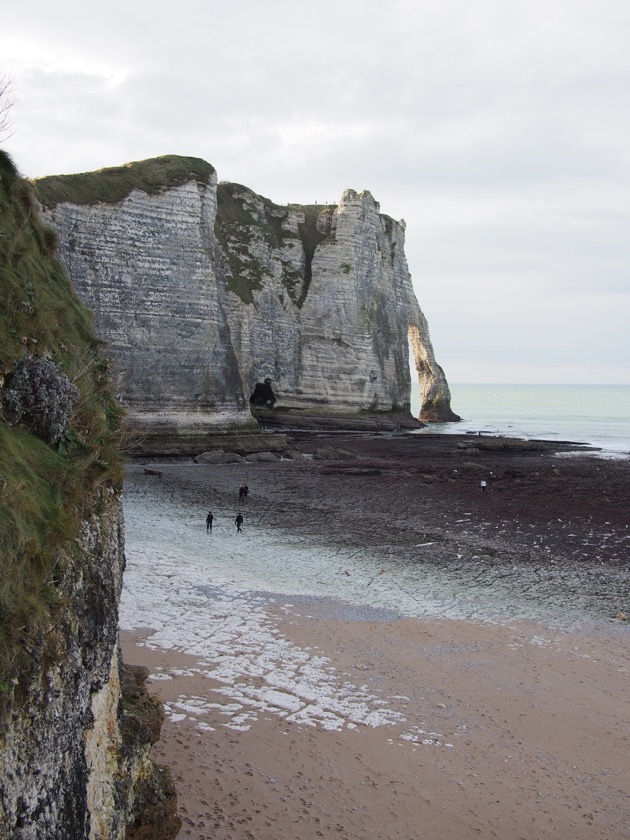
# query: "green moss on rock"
245 219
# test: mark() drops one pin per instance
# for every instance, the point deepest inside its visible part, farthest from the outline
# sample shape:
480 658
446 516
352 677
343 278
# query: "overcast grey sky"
499 130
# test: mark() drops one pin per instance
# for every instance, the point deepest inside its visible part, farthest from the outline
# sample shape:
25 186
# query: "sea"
598 415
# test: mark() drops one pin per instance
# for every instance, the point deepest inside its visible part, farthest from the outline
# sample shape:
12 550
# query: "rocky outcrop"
436 395
201 290
74 758
74 742
152 814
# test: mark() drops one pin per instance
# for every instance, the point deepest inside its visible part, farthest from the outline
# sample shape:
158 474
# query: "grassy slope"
44 489
114 184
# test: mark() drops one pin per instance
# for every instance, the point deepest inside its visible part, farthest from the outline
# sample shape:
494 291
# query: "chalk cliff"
76 726
200 290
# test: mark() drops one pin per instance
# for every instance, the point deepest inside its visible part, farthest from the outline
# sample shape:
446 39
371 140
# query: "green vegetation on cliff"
115 183
58 423
244 220
312 236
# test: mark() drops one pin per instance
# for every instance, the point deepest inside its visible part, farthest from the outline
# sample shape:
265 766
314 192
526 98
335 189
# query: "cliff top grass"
115 183
46 480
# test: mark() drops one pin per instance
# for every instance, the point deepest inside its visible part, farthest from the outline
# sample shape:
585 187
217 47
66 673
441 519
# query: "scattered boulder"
261 457
218 457
294 455
468 448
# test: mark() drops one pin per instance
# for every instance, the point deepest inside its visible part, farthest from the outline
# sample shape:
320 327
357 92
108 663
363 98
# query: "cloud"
499 131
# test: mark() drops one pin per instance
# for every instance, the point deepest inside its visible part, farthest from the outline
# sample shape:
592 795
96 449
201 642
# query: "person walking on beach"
483 485
239 522
209 520
241 493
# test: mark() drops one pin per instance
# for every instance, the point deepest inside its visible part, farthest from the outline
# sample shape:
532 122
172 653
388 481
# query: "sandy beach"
433 661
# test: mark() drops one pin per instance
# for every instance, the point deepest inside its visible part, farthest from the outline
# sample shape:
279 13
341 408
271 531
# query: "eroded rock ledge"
201 290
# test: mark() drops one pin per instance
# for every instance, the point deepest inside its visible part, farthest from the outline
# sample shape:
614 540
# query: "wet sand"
512 728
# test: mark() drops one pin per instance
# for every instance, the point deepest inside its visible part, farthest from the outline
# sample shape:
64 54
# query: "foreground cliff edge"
76 726
202 290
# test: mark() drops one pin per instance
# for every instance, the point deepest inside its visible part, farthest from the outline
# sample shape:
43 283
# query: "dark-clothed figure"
209 520
239 521
241 493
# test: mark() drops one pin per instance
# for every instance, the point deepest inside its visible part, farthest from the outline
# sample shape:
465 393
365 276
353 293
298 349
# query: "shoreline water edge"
598 415
385 650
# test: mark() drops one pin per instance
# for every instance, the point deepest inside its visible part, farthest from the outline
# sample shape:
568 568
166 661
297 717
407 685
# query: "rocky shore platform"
509 721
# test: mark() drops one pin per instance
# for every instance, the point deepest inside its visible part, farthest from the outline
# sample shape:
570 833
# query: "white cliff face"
359 279
203 289
145 268
47 758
